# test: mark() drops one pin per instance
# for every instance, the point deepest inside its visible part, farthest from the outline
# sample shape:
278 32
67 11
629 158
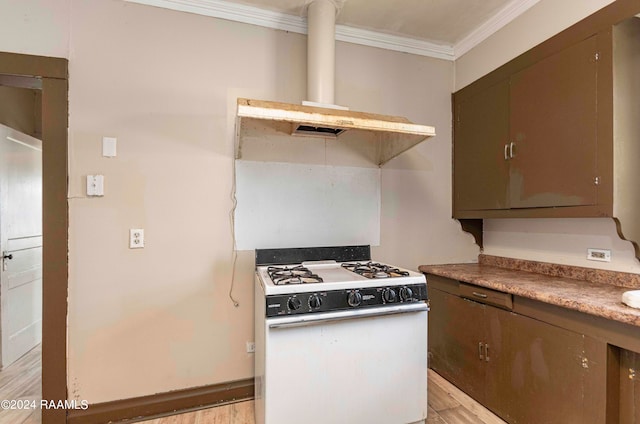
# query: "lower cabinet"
459 338
629 387
524 370
554 375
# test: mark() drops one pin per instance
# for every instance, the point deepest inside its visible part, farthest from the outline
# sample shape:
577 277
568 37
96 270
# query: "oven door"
360 366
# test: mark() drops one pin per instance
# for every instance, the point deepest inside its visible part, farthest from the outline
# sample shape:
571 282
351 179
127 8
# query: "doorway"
51 76
20 243
20 219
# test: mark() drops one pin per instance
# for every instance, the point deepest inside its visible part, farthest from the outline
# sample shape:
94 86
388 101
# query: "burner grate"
374 270
292 275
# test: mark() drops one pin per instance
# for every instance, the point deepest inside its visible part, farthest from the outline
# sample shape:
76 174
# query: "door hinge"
596 180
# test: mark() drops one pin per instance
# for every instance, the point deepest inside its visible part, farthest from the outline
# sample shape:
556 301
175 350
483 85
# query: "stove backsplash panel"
304 205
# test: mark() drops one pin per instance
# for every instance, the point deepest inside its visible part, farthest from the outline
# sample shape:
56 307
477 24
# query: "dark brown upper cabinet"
530 141
552 147
554 132
480 165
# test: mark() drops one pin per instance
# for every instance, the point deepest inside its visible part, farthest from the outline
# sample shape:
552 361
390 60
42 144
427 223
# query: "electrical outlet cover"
136 238
600 255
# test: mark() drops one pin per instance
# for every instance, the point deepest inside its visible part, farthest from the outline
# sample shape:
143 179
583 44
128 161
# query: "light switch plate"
109 146
95 185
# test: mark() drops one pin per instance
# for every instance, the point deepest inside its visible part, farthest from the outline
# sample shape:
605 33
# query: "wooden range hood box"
391 135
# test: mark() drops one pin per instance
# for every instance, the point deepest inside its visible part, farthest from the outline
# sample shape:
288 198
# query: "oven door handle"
305 320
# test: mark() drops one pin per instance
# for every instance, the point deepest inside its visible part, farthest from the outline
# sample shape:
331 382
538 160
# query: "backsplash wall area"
305 205
563 241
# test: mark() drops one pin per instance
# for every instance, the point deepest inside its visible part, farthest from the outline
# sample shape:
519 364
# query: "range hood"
319 117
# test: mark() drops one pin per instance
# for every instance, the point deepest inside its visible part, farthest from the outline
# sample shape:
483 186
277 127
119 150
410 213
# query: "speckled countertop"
593 292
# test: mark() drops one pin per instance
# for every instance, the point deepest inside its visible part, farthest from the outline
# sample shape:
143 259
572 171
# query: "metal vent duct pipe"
321 49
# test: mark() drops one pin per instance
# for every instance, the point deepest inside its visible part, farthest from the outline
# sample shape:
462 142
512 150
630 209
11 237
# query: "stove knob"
389 295
406 293
354 298
294 303
315 301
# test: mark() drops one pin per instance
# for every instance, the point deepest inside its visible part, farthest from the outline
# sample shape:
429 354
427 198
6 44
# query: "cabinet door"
481 131
498 328
545 374
553 111
456 328
629 387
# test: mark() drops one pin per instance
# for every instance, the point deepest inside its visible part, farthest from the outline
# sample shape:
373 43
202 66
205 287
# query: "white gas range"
339 338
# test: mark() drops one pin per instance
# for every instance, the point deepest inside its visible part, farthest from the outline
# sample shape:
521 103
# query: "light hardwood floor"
22 380
447 405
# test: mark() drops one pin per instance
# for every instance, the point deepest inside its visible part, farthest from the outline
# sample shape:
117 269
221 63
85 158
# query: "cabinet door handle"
486 352
480 347
480 295
511 145
506 152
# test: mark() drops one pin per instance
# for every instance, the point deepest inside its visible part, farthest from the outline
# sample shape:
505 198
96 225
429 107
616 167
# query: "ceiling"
438 21
444 29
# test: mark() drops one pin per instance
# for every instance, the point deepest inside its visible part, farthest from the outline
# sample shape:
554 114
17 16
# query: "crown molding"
393 42
285 22
233 12
491 26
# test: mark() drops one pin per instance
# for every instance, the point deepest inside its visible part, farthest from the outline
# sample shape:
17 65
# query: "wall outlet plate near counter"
600 255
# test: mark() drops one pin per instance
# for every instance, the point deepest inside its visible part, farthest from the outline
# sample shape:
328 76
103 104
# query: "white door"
20 243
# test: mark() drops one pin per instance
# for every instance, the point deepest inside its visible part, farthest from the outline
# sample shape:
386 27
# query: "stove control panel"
336 300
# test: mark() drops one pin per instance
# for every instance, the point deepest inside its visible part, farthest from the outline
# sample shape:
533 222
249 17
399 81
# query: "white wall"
549 240
416 224
39 27
563 241
165 84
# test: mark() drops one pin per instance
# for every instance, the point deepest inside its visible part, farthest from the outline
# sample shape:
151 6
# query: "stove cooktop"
318 276
329 279
323 286
301 274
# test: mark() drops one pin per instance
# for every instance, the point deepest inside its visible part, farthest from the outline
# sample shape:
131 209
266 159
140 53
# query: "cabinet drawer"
488 296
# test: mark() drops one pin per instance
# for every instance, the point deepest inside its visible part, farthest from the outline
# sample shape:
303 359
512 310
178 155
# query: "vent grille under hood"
393 134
